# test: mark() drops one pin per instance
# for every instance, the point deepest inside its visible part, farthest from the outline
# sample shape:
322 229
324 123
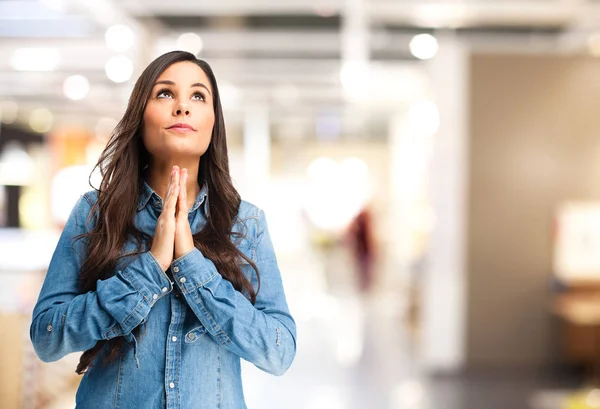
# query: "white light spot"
424 46
190 42
425 117
41 120
35 59
119 38
76 87
119 68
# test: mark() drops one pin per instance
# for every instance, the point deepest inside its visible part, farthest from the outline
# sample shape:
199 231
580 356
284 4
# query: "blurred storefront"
429 171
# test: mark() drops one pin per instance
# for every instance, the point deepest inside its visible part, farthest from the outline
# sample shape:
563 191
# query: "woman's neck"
157 176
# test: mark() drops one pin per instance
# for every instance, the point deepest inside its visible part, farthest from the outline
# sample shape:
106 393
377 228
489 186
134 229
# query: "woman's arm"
66 321
263 333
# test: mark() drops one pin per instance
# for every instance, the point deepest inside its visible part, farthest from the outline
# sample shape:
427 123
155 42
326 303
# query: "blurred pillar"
257 152
406 181
355 53
355 32
443 297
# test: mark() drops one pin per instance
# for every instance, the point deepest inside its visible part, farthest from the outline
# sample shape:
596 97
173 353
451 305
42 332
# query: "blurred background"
430 171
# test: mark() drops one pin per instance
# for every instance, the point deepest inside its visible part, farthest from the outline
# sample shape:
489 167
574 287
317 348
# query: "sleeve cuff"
193 270
146 275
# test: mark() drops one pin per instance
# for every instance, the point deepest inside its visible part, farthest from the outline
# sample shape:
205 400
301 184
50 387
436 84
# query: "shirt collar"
148 195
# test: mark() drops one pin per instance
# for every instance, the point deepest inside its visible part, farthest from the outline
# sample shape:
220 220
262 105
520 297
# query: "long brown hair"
121 165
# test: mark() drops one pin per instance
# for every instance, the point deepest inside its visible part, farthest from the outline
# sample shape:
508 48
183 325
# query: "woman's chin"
181 150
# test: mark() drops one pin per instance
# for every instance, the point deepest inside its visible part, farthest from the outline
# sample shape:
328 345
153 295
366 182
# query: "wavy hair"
121 165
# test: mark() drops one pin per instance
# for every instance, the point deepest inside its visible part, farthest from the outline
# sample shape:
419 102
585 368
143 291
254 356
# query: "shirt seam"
219 331
183 257
120 324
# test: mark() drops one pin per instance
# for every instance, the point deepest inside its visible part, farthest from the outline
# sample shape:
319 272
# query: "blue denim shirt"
197 327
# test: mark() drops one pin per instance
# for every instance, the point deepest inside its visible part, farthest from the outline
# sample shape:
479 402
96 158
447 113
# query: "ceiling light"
119 68
355 79
424 46
119 37
35 59
76 87
190 42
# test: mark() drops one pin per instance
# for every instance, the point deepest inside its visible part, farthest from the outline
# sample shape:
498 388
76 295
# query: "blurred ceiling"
284 55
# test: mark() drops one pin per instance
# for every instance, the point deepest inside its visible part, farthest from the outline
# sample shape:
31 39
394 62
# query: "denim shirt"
196 327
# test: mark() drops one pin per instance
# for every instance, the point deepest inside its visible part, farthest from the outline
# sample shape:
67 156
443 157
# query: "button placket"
172 369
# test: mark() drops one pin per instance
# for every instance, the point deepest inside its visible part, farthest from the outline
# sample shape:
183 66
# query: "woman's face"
179 115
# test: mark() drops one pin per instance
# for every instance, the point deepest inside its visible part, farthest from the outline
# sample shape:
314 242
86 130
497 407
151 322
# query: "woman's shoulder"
83 207
248 210
251 216
91 197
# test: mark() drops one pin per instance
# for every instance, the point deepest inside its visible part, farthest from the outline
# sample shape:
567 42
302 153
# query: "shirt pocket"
194 334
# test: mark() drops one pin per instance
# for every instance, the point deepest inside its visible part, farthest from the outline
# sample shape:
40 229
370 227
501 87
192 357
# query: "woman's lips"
181 128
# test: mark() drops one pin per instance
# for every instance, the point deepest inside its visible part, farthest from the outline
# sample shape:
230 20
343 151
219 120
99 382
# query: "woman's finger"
169 186
183 206
171 203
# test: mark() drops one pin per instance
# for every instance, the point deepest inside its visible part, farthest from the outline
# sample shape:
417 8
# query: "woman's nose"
181 109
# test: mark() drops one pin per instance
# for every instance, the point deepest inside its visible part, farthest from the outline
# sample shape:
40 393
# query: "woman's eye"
198 96
164 94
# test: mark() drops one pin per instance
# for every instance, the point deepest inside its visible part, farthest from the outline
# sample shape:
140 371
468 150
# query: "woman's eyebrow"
197 84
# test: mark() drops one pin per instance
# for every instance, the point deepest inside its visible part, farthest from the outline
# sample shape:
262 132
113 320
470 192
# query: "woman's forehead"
184 72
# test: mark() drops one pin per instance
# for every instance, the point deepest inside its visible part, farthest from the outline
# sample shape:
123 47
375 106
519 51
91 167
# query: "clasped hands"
173 234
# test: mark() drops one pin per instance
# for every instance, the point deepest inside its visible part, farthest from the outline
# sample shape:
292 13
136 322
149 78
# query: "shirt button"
176 269
192 336
164 289
171 385
174 339
49 328
182 280
155 296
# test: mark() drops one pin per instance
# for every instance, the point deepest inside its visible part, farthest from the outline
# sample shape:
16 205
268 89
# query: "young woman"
164 276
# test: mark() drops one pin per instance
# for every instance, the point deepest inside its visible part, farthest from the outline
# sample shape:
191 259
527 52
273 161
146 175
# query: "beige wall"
535 141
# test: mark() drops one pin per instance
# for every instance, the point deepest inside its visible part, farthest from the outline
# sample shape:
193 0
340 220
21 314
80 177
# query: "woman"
164 276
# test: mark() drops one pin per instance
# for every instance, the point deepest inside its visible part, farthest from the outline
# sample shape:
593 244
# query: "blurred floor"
357 352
